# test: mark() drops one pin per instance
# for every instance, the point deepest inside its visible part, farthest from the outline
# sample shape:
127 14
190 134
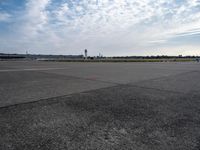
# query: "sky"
109 27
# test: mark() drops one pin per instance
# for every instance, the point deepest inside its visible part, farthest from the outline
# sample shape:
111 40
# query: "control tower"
86 53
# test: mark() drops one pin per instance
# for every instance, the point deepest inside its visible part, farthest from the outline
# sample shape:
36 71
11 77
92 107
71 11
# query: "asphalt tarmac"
142 106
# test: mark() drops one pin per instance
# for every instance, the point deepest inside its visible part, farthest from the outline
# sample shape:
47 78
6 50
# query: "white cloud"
36 16
108 25
119 15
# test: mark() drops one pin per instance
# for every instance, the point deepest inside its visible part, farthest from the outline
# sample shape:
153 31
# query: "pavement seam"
82 78
115 85
51 98
109 82
162 90
164 77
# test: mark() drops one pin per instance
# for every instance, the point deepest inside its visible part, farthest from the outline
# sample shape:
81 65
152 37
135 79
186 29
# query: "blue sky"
110 27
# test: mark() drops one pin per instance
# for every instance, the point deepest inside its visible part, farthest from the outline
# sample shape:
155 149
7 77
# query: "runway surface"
54 105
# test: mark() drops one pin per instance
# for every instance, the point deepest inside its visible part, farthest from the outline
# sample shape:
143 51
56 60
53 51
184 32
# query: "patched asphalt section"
120 117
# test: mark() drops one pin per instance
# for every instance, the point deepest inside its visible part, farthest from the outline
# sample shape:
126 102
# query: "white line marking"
32 69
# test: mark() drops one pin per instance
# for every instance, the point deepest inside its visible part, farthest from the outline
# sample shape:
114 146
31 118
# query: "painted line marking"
32 69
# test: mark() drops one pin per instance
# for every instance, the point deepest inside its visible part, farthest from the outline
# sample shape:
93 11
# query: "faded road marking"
32 69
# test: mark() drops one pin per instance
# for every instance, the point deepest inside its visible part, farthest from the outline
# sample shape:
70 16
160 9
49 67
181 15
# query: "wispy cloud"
4 17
